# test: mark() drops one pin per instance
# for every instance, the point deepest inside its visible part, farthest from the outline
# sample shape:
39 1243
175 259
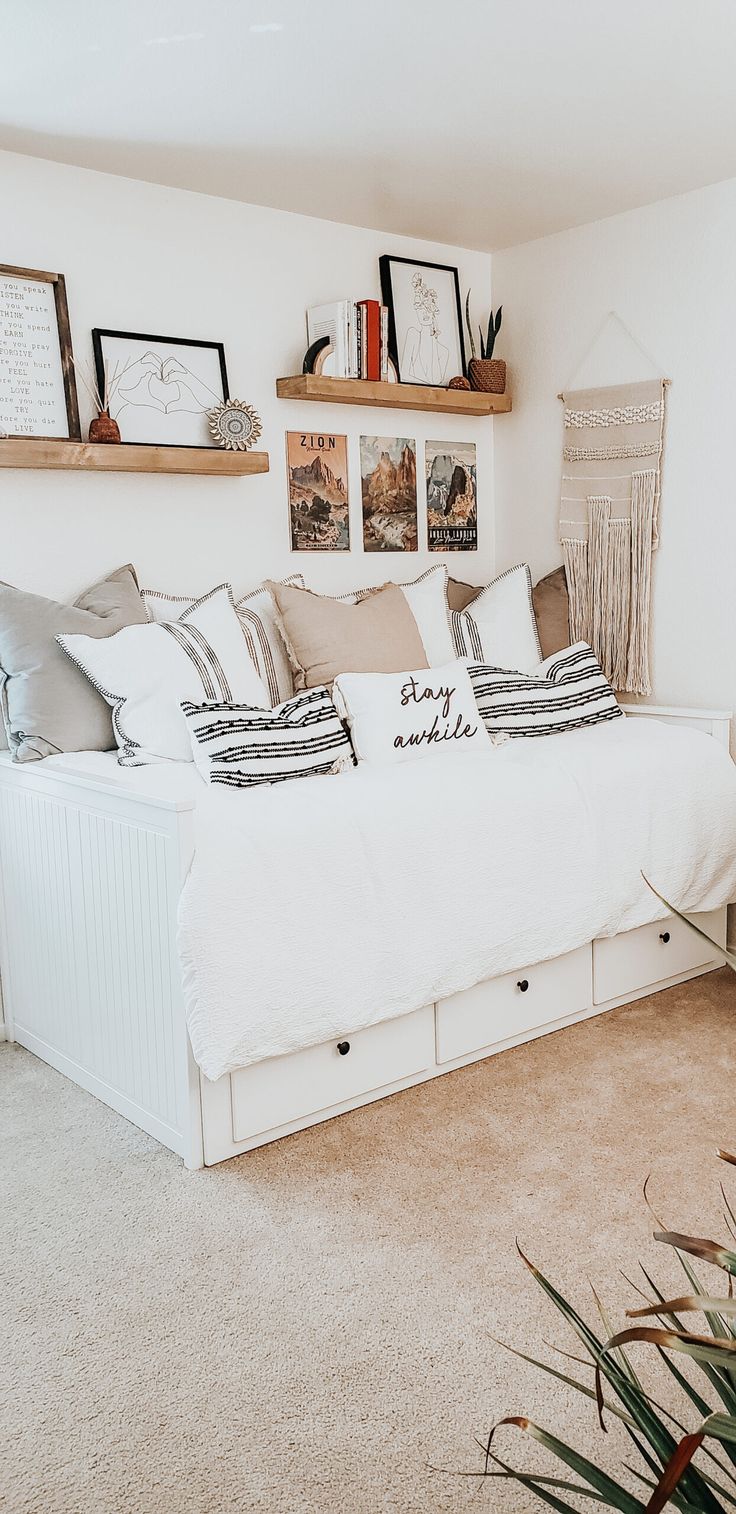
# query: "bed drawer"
508 1006
637 958
283 1089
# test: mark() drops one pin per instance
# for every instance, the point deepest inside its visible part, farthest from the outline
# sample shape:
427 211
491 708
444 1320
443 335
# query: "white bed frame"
90 876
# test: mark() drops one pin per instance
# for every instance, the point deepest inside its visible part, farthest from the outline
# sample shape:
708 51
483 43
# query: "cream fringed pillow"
325 637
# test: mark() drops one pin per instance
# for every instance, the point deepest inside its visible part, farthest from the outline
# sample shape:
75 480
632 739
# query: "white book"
384 343
332 321
353 341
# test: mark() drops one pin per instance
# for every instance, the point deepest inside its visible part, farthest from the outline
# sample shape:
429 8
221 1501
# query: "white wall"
668 270
139 257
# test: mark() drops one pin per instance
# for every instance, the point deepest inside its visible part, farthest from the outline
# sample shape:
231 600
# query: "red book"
372 337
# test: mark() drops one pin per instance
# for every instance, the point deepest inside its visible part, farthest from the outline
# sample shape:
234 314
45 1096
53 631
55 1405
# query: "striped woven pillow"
239 746
567 691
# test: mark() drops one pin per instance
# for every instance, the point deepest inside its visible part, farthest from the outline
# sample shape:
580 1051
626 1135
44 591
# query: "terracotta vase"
104 429
488 374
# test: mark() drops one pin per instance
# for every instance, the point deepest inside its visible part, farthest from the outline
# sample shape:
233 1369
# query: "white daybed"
92 867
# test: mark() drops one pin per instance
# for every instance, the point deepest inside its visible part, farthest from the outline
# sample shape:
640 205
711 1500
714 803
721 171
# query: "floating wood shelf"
128 457
337 391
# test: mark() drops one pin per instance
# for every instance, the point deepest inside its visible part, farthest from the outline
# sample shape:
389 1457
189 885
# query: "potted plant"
486 372
691 1467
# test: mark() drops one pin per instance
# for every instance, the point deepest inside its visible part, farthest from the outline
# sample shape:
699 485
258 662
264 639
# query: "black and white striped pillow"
567 691
239 746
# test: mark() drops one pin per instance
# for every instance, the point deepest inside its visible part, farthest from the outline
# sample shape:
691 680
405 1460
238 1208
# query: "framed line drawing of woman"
424 320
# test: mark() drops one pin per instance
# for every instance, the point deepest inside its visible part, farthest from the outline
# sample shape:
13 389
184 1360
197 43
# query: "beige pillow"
325 637
552 611
460 595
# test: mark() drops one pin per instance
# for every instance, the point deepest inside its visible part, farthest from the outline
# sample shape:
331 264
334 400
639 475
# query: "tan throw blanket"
609 511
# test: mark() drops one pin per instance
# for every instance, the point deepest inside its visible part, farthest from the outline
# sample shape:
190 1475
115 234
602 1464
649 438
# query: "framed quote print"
38 395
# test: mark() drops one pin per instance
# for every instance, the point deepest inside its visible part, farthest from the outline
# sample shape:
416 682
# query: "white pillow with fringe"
236 746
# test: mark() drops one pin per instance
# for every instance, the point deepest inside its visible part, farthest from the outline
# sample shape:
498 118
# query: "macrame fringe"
619 580
599 515
575 554
643 494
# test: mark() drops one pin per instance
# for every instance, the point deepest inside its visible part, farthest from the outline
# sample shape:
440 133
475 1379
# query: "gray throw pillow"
48 704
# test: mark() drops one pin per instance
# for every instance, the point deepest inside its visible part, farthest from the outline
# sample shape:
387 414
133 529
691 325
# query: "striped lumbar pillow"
240 746
567 691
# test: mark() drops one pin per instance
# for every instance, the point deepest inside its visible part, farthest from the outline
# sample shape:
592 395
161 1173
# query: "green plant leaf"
708 1251
674 1472
701 1303
699 1347
616 1496
721 1426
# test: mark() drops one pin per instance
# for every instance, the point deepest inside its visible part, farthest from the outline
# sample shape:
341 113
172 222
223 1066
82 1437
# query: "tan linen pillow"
552 610
325 637
460 595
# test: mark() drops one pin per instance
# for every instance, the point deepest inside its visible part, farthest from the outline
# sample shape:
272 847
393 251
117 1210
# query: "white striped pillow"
498 627
145 671
264 641
567 691
239 746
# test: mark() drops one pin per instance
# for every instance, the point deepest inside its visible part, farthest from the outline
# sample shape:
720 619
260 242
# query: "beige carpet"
308 1329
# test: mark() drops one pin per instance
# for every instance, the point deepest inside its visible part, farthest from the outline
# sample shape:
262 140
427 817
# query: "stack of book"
358 334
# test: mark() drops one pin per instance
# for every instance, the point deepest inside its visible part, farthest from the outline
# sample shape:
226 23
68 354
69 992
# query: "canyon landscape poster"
388 473
317 466
452 502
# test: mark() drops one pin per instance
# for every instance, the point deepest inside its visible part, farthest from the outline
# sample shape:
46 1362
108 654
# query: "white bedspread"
317 907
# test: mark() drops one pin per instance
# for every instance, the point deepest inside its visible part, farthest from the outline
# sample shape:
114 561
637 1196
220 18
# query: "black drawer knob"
664 936
523 985
343 1048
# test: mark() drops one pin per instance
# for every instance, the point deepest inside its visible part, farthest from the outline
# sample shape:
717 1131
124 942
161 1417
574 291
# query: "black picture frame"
57 281
99 333
387 295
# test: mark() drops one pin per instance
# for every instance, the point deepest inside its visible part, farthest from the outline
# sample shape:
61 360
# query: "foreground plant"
665 1447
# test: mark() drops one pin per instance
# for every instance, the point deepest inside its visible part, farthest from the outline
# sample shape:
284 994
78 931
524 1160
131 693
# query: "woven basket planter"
488 374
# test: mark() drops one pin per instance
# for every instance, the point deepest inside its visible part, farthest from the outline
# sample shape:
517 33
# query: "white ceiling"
478 122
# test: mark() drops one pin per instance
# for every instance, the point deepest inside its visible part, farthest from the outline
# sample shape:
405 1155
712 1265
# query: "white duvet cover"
318 907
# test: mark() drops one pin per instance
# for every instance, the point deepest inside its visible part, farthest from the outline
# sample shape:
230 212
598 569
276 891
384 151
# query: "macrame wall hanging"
609 520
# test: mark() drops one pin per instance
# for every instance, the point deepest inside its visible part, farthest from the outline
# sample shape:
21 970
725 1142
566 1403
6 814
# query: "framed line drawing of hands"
159 388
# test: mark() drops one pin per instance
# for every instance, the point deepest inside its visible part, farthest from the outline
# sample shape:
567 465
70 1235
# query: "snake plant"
494 326
667 1473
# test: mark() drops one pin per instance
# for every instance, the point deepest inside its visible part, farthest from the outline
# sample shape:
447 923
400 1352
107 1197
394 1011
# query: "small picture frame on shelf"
425 329
38 393
160 388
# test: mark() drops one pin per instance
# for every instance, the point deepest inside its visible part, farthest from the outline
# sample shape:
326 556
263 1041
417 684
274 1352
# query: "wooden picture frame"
66 356
415 306
181 423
